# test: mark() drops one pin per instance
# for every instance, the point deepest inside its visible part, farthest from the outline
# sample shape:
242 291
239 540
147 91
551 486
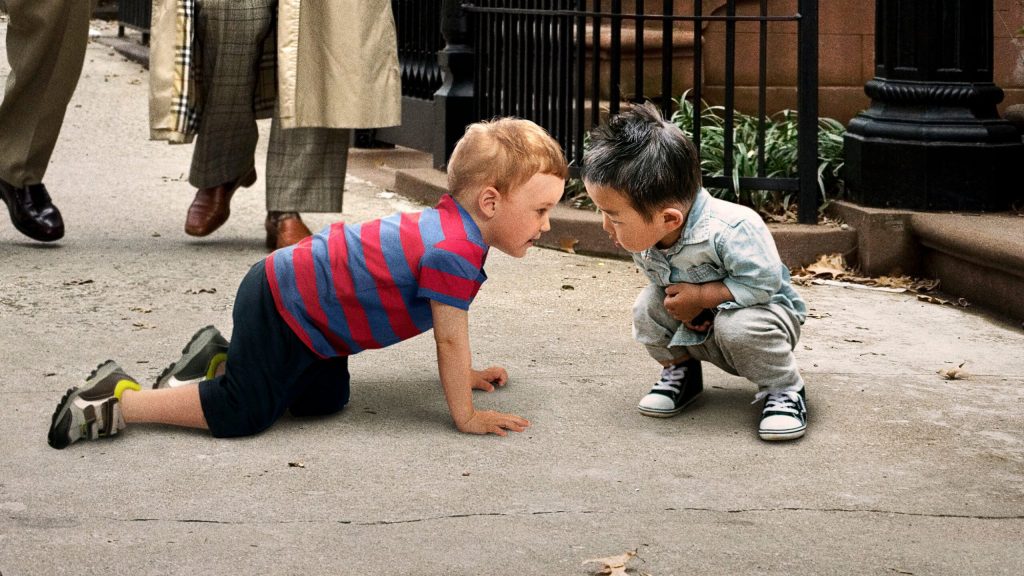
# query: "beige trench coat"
337 66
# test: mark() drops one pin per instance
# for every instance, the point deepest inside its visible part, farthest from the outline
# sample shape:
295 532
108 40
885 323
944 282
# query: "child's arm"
686 301
451 333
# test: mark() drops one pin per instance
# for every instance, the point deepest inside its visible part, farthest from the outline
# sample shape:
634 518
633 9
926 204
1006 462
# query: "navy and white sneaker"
201 359
784 416
679 385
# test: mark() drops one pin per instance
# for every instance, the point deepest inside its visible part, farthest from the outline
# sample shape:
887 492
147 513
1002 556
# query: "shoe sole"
791 434
60 441
194 346
666 413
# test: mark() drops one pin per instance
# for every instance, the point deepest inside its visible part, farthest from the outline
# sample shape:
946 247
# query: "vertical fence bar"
519 80
545 88
564 78
638 55
490 61
595 91
807 110
581 80
730 99
506 70
668 9
762 84
615 61
697 93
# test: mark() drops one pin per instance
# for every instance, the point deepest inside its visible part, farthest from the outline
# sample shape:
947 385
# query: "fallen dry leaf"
613 565
568 244
830 265
932 299
956 373
830 269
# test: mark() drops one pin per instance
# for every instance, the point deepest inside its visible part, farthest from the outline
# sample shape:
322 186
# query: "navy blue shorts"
268 370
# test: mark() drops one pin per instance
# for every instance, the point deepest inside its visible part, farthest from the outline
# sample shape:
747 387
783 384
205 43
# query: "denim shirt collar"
696 230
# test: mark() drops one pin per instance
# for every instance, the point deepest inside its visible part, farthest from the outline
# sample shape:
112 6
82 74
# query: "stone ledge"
978 257
885 244
992 240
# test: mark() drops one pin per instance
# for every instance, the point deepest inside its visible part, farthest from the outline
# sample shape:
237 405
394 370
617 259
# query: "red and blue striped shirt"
352 287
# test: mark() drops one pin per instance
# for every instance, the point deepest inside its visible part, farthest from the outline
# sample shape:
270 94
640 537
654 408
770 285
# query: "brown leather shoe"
212 206
285 229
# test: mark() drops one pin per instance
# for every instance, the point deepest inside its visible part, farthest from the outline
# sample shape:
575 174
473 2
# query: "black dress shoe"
32 211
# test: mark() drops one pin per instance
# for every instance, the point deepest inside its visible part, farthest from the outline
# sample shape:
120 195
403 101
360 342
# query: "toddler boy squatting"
301 312
718 290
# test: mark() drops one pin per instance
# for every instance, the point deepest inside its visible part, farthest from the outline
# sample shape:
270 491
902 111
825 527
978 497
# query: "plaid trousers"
305 170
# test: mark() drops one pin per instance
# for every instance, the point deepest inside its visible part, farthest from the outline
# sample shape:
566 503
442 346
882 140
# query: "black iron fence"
560 62
135 14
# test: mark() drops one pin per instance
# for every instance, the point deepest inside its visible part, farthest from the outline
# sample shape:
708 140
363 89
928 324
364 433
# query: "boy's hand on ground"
487 378
491 422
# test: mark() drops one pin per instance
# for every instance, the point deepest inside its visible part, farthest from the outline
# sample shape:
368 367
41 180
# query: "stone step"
978 257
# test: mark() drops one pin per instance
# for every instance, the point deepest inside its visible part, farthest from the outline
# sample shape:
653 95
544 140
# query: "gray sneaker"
93 409
200 360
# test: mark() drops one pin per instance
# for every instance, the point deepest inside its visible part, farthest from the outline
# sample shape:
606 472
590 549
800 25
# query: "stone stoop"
979 257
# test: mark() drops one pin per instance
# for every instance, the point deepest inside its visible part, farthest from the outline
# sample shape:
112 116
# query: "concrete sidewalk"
901 472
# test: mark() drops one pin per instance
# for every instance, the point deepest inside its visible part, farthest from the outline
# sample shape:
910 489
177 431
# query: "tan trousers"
46 42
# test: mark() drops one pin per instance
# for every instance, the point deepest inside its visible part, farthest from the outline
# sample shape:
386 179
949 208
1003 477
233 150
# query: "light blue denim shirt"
724 242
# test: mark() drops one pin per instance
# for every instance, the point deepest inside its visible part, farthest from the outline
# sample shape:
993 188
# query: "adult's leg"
306 169
46 41
231 33
305 173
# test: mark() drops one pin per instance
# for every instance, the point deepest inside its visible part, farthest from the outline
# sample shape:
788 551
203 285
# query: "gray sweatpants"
756 342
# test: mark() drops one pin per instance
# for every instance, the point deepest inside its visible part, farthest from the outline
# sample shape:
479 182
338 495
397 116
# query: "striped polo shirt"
351 287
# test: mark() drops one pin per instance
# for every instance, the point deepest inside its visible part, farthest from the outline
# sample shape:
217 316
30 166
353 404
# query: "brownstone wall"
846 34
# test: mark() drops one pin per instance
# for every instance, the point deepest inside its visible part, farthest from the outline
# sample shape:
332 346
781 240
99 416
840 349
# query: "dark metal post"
455 105
932 138
807 112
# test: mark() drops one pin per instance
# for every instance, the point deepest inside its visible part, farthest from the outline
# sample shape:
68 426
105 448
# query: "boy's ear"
487 201
672 218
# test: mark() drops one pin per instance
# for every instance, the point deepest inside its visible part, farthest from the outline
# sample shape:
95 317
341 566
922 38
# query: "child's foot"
200 359
680 384
91 410
784 416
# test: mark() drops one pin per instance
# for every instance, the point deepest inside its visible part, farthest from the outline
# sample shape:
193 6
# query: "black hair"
645 157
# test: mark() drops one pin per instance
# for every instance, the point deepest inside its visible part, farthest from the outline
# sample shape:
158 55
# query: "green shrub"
780 152
780 141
